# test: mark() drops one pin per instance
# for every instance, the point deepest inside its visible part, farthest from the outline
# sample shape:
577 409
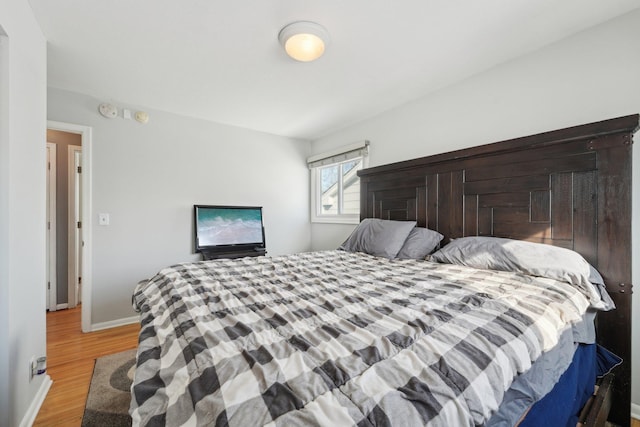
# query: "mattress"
338 338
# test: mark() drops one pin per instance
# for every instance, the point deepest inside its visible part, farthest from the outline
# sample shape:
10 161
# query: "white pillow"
534 259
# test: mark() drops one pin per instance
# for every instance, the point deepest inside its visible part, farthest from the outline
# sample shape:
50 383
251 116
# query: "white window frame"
317 162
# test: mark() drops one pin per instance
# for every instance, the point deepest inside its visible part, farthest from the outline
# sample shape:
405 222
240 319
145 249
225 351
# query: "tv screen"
228 228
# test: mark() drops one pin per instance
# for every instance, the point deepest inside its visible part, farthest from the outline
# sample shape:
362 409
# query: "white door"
75 225
50 284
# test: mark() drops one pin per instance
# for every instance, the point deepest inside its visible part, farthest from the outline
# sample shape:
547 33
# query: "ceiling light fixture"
303 40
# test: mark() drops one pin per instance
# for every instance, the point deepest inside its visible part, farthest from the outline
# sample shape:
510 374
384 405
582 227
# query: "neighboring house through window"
335 185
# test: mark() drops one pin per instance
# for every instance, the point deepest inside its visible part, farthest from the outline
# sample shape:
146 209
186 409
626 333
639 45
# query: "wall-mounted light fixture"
303 40
141 117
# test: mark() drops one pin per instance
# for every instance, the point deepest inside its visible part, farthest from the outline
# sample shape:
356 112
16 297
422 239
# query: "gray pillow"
378 237
420 243
596 279
534 259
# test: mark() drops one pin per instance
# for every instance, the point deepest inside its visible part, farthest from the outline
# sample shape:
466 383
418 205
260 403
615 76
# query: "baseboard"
32 412
114 323
635 411
62 306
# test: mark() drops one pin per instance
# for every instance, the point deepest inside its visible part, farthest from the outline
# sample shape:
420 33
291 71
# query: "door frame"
52 270
86 142
74 253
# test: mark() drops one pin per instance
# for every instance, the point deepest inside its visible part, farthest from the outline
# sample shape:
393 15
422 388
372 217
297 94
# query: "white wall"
592 76
22 211
148 177
5 250
635 247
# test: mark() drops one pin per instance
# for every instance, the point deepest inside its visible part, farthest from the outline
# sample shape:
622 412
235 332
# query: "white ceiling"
221 60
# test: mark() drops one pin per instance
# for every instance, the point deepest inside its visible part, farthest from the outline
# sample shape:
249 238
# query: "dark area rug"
109 393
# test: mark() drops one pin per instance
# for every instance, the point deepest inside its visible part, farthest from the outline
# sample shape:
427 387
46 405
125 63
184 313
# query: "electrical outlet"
33 367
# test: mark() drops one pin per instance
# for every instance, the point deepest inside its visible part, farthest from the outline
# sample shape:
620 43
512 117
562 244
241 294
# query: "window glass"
351 187
337 191
329 189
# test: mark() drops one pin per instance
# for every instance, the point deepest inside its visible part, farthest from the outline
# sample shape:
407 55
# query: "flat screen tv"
228 228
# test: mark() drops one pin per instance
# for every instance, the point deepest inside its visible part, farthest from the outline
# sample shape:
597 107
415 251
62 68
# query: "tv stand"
209 255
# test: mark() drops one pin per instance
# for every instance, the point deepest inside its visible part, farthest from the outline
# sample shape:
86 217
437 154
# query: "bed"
347 338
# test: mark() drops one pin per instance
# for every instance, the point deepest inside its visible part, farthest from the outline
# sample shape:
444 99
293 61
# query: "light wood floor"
70 359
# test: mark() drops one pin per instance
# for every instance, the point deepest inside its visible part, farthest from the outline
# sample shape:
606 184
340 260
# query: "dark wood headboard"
569 188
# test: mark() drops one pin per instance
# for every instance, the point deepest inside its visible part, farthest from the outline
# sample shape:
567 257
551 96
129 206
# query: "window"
335 185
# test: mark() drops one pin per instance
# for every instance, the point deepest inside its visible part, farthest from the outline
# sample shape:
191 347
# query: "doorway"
77 217
61 213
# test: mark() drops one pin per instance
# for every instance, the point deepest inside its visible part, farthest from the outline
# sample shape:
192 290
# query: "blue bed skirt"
562 405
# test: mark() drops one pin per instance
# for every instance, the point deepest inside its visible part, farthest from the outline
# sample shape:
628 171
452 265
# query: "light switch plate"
103 219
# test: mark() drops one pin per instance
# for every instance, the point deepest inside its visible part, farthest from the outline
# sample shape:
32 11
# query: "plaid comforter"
337 338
